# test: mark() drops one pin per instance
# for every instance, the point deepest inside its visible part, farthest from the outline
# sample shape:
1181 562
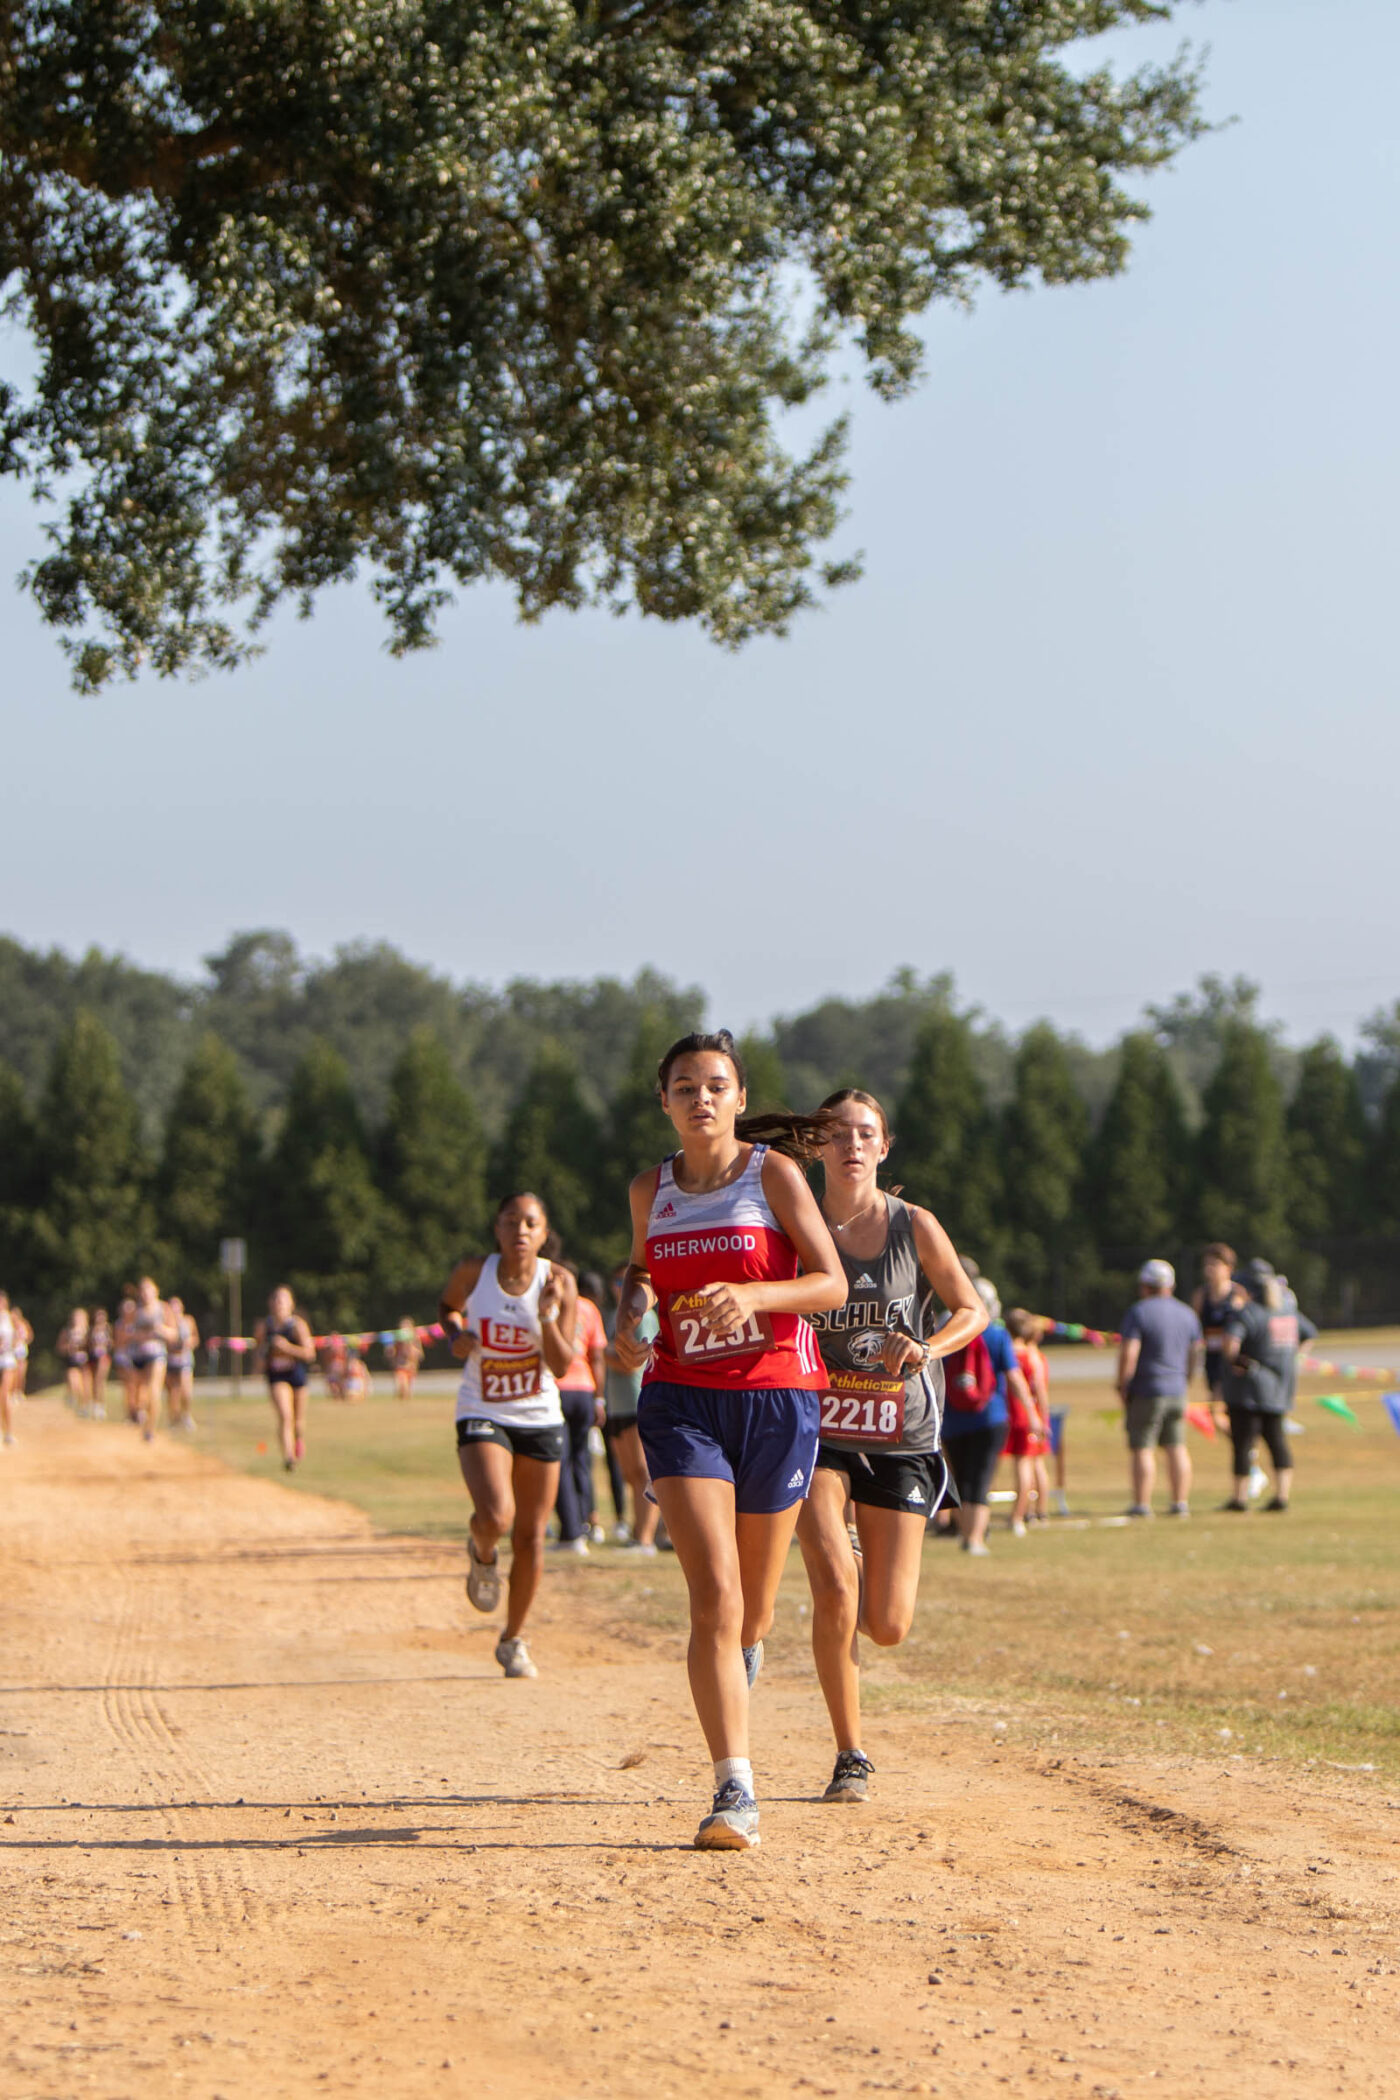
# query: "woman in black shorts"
510 1319
880 1416
285 1352
73 1353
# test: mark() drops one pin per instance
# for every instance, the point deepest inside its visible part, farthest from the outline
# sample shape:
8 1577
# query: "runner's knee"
717 1605
886 1624
495 1517
835 1589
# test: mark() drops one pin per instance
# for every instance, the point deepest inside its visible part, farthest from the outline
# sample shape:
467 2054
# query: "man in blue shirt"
1159 1350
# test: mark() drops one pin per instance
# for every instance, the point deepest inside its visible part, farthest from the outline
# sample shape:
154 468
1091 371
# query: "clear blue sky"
1115 704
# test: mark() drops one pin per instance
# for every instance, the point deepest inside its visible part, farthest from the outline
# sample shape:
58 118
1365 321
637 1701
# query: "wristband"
552 1314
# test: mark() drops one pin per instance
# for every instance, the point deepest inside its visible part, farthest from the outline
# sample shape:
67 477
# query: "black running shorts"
911 1481
546 1444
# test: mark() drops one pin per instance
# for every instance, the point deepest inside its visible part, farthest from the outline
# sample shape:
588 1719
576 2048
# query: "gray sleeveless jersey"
865 1407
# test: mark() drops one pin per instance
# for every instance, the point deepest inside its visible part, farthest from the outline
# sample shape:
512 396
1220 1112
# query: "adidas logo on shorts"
797 1479
915 1494
863 1283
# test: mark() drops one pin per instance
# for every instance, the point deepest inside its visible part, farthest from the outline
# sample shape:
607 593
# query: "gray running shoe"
732 1824
753 1662
483 1579
514 1658
848 1781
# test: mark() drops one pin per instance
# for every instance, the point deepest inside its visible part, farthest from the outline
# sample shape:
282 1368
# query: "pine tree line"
1063 1212
1059 1189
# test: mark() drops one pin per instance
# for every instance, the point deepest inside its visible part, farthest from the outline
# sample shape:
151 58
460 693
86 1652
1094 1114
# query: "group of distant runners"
776 1365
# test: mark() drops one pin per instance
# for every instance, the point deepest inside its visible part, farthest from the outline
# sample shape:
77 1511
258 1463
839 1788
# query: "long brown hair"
799 1137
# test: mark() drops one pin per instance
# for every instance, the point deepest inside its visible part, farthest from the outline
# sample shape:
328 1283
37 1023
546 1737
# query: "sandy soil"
274 1824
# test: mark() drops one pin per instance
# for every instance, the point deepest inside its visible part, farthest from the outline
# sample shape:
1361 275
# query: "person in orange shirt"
581 1397
1026 1439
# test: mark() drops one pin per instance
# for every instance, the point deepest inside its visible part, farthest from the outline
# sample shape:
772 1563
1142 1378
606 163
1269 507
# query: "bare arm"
455 1293
1129 1350
300 1345
638 1297
558 1311
1016 1384
939 1261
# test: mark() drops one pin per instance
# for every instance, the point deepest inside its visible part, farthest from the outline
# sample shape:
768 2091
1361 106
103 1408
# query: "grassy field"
1258 1636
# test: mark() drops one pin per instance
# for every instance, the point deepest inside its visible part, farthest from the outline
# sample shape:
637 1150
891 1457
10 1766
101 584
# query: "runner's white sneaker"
514 1658
483 1579
753 1662
732 1824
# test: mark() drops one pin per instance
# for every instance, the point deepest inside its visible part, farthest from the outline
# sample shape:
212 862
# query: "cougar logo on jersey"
867 1347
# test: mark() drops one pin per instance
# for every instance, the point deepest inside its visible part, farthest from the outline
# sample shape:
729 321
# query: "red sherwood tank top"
726 1235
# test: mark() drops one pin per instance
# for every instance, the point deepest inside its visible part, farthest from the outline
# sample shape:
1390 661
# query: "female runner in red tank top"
729 1409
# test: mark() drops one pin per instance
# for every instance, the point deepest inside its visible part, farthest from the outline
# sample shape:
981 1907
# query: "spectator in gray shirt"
1159 1351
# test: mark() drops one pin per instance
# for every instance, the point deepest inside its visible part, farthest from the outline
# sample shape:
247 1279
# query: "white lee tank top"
507 1379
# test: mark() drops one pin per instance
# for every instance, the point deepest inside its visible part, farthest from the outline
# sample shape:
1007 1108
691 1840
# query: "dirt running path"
274 1824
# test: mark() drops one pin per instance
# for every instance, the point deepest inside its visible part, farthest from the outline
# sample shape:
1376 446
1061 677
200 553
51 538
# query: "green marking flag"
1336 1405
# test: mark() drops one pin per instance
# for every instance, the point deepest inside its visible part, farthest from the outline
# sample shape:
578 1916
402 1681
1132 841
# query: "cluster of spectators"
1244 1329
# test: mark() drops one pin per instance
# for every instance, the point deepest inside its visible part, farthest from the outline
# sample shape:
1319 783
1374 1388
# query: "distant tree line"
355 1122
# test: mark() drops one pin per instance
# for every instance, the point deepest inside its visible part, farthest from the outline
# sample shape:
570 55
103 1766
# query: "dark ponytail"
796 1137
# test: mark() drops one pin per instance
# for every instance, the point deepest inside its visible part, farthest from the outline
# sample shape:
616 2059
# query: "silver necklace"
859 1214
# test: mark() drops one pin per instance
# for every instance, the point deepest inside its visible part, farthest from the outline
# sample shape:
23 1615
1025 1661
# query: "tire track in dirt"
202 1882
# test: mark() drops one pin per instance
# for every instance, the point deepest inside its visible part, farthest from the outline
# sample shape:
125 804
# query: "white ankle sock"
734 1768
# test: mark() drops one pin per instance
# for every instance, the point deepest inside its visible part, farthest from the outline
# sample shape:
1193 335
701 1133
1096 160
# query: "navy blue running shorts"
763 1438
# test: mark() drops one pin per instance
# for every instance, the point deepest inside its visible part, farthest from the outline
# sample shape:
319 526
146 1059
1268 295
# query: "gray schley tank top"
865 1407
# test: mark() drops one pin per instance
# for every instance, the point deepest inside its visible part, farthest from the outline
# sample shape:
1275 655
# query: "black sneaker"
849 1780
1270 1507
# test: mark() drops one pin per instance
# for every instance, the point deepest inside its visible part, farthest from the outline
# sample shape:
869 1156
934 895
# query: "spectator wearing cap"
1157 1355
1263 1330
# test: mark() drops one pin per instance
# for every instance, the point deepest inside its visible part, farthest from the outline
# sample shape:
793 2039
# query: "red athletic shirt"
727 1235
